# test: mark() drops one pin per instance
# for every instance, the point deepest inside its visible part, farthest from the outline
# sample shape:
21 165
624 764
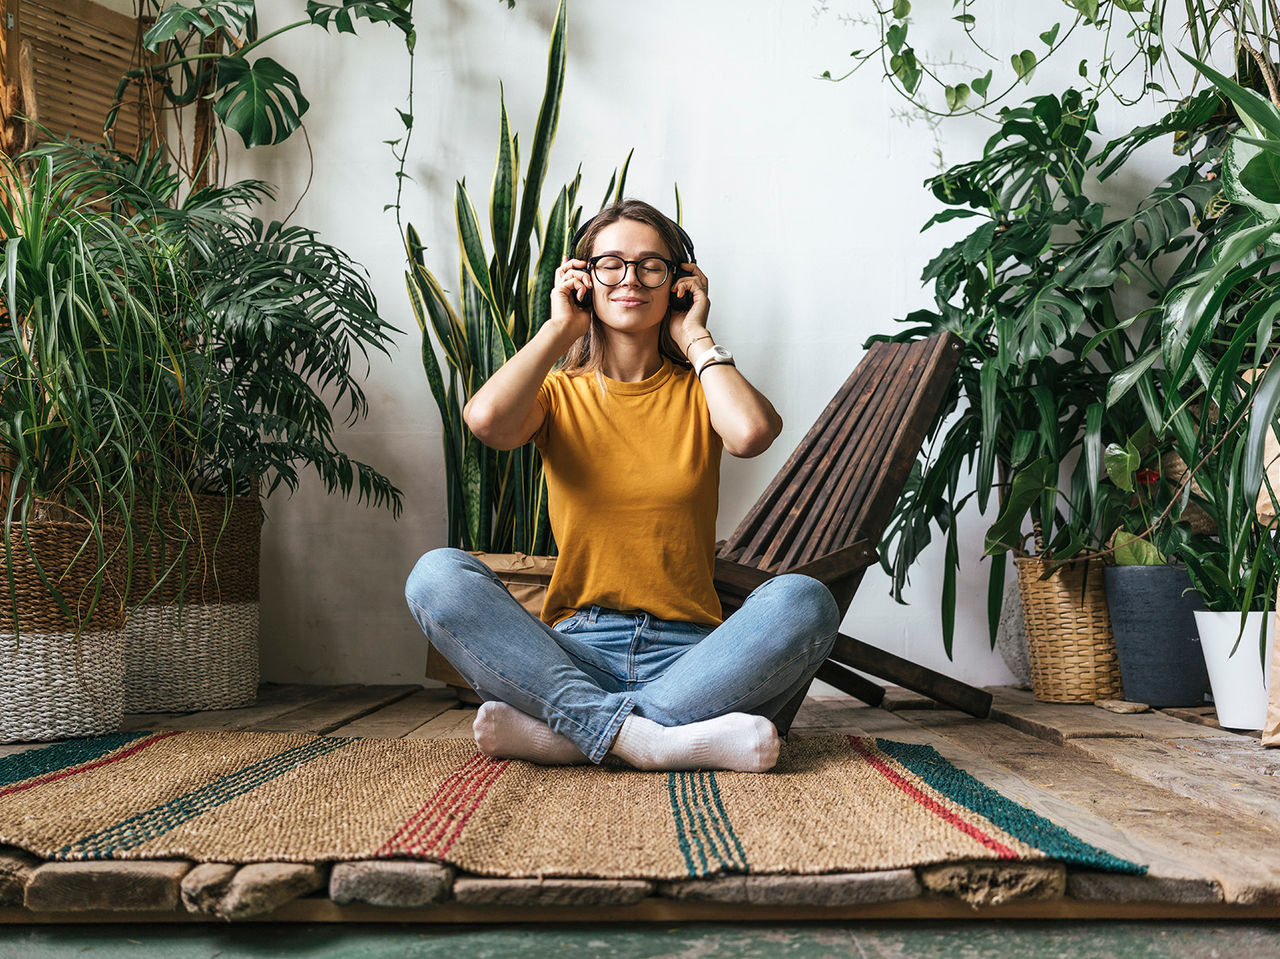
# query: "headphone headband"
684 237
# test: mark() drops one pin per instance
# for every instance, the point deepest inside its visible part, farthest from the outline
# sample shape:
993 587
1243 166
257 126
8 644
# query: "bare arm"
741 414
504 413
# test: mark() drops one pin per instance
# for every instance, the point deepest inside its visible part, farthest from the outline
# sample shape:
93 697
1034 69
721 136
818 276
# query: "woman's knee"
434 574
809 603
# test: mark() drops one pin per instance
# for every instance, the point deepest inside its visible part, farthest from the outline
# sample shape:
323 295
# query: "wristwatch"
712 357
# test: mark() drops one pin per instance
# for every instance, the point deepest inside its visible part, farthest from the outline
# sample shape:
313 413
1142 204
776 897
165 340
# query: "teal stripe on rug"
704 833
146 826
51 759
1032 828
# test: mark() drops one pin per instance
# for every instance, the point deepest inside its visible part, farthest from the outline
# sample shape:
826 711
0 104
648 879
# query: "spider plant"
99 386
283 321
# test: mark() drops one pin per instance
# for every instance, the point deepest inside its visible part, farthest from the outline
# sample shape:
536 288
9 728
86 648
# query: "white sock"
736 741
503 732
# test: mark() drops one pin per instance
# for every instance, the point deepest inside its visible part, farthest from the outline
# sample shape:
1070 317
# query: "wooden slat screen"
79 51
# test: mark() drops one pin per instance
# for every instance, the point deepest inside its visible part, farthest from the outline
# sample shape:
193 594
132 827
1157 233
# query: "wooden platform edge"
657 909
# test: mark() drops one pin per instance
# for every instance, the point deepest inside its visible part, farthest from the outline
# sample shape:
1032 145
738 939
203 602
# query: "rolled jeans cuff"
601 746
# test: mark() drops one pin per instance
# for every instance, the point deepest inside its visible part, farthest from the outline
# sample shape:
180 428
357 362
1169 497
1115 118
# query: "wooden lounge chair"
826 510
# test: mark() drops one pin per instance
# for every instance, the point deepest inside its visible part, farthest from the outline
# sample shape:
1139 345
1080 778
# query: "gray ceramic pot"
1152 616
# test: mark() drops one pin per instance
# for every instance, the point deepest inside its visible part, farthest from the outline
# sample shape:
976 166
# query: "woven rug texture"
833 804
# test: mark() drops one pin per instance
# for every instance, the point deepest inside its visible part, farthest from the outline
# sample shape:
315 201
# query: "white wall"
804 199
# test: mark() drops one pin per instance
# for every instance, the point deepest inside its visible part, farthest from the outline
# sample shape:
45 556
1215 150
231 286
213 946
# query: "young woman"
631 655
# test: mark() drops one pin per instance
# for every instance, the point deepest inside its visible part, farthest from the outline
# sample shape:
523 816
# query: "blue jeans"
584 676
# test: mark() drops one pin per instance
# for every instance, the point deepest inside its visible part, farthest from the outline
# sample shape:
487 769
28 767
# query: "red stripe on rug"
96 764
461 822
443 816
931 804
443 822
434 818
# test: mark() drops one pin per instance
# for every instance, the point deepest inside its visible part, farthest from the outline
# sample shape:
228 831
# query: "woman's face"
630 306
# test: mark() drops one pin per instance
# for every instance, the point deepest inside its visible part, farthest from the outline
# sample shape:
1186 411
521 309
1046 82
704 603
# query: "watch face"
722 354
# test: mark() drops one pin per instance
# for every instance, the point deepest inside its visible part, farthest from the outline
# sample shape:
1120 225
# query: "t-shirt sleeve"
547 400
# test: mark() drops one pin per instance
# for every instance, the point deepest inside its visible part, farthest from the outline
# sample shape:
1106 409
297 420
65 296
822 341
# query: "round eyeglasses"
610 270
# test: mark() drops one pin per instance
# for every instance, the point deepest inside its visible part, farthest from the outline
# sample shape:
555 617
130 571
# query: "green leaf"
261 101
1050 35
398 13
1257 112
1131 550
966 18
949 570
980 85
956 96
502 195
1261 177
473 257
1121 463
901 8
1028 486
895 37
1262 417
1024 65
1092 446
231 16
1083 69
545 131
989 398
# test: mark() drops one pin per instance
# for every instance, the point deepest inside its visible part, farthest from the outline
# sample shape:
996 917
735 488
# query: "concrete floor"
919 940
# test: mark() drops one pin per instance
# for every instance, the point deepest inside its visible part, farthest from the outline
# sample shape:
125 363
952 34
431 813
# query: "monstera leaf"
233 16
261 101
343 13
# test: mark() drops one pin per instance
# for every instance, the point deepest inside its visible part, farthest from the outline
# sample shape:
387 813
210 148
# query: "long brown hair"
586 355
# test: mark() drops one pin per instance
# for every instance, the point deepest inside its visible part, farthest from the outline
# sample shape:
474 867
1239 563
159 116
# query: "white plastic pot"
1239 682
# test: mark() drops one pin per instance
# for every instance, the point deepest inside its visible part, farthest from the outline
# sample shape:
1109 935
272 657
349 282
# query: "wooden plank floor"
1200 805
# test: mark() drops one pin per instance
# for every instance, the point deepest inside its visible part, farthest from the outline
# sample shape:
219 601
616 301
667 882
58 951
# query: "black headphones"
678 303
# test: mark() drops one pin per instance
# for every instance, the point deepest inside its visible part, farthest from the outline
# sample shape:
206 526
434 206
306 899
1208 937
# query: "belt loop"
595 612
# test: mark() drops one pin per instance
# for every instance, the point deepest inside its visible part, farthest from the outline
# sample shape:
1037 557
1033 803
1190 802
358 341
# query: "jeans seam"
480 662
601 747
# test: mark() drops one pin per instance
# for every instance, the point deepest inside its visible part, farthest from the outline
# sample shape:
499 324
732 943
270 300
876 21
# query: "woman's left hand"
685 325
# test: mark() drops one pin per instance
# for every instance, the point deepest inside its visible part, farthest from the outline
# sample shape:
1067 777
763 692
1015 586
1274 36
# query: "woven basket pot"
62 677
194 643
1069 639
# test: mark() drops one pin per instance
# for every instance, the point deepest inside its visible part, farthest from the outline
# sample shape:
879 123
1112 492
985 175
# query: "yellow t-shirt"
633 485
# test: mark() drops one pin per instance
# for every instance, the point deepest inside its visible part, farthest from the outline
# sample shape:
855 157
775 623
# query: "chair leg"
847 681
917 678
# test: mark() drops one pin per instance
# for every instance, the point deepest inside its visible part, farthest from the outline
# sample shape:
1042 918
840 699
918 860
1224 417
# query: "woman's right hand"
572 278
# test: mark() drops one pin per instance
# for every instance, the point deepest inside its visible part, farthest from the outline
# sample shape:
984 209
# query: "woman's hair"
587 353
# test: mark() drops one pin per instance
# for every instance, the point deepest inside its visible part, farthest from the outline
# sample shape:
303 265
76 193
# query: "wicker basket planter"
1069 639
61 677
194 643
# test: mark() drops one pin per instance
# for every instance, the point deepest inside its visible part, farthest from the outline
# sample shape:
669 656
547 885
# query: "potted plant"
1032 293
1150 598
96 426
277 319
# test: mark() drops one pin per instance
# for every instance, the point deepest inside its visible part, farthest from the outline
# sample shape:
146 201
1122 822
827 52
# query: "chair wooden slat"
832 446
754 532
887 444
825 511
861 461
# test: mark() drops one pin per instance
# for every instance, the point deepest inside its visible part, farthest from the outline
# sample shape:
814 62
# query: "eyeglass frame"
672 266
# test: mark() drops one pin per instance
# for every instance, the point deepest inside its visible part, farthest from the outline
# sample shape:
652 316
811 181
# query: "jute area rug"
834 804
